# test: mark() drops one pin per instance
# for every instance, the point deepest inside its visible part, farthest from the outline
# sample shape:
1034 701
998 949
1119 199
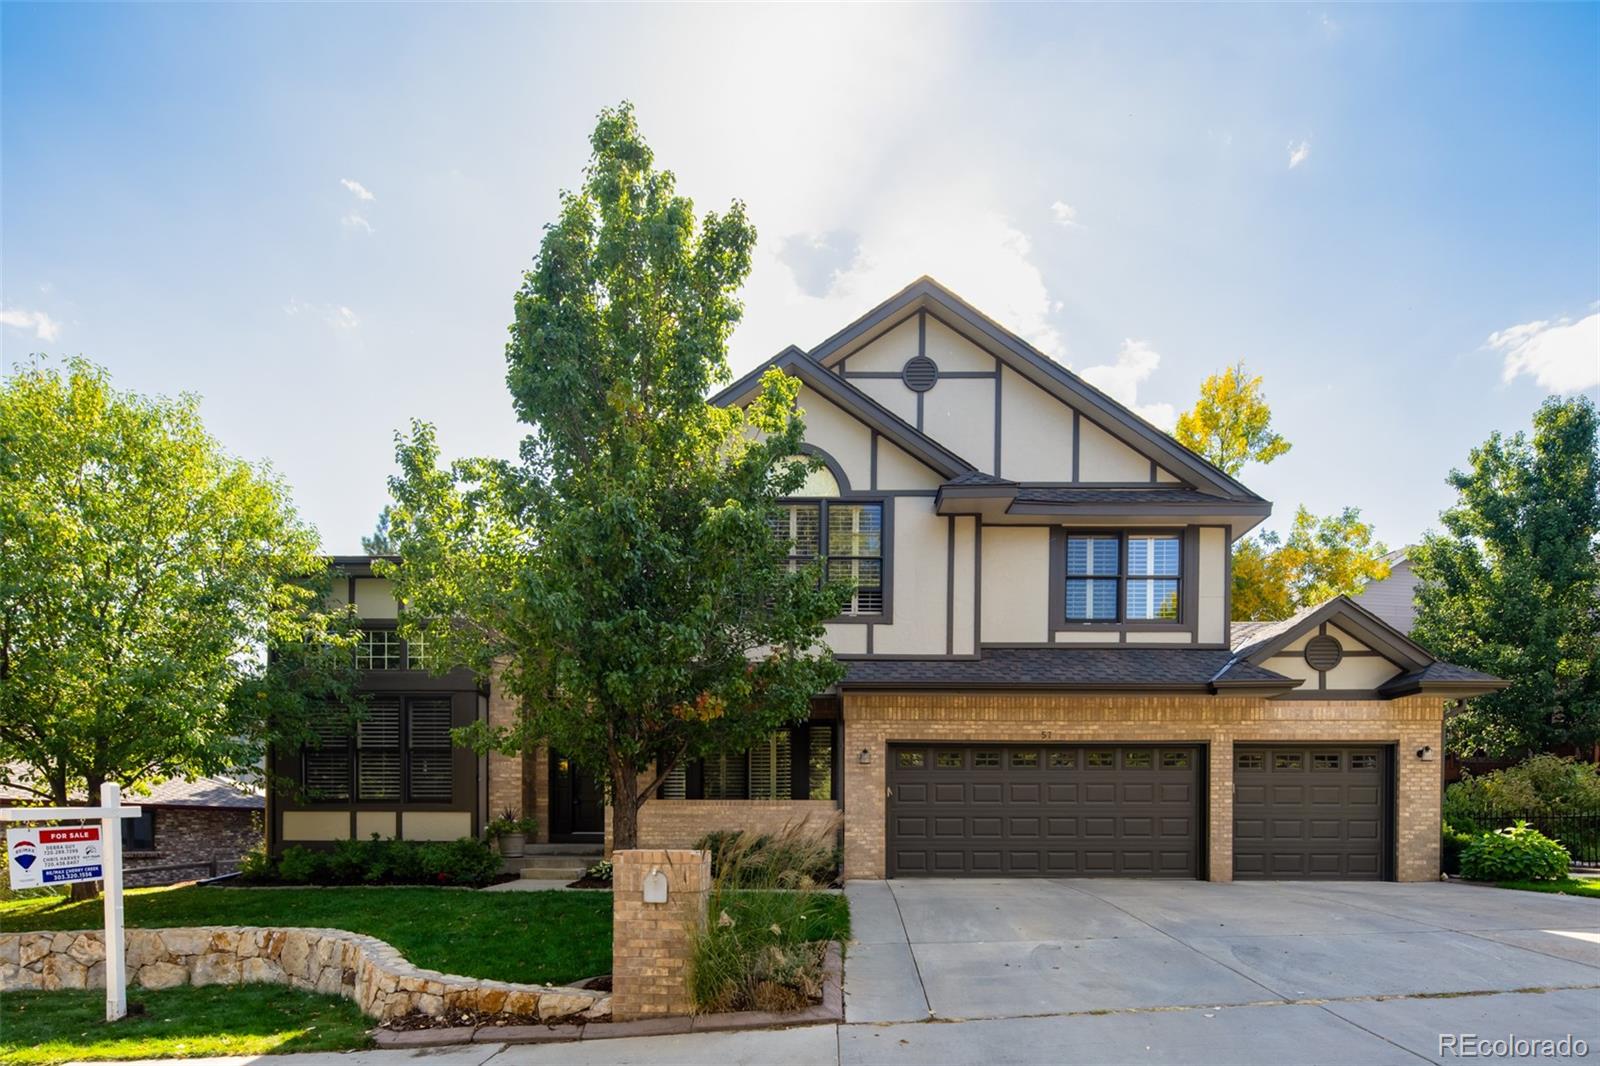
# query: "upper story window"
848 534
380 649
400 750
1112 577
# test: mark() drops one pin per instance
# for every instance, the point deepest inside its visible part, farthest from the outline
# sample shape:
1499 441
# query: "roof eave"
1443 689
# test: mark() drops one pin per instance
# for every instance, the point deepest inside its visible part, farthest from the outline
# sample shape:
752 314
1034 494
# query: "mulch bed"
590 882
406 1023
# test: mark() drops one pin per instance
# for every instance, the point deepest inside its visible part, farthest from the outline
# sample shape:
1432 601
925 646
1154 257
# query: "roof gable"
836 390
1034 366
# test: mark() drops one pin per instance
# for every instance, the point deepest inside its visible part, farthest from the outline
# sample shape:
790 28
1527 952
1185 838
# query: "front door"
577 803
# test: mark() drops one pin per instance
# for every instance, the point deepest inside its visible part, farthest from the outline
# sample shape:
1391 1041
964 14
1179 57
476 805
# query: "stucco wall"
872 721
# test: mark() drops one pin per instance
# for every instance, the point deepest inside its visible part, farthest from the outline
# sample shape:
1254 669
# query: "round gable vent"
920 373
1323 653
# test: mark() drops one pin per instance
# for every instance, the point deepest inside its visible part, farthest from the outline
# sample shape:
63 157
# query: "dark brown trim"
1077 444
977 582
999 386
950 587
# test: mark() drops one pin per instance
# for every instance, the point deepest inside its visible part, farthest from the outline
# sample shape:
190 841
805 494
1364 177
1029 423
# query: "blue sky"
315 216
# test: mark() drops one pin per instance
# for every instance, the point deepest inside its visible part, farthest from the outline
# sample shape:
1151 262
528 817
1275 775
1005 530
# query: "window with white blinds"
428 751
725 776
819 768
378 752
326 761
675 786
770 768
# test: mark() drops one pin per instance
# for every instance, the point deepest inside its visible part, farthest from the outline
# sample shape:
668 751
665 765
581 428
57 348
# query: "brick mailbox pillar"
651 942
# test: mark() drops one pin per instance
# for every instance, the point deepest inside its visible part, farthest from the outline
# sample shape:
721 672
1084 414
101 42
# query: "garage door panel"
1021 810
1309 811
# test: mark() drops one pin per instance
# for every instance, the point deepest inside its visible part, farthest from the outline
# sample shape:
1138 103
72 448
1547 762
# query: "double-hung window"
793 763
1112 577
1153 574
849 536
1094 577
428 755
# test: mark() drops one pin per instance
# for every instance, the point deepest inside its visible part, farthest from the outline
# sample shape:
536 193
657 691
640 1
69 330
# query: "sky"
315 216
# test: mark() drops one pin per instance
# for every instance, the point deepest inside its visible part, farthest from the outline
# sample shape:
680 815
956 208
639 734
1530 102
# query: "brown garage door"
993 810
1310 813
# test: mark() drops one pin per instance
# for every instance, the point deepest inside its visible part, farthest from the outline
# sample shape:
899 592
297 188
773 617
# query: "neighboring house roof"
864 408
1066 667
177 792
926 294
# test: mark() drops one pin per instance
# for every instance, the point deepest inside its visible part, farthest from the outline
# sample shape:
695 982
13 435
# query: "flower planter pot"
512 845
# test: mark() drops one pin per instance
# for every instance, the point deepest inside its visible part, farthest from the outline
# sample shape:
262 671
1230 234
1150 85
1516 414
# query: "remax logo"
22 853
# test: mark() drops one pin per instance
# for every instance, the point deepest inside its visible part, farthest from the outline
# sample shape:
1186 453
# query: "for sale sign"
53 856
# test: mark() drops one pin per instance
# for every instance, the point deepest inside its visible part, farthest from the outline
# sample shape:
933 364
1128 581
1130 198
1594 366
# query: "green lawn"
51 1027
531 937
1572 886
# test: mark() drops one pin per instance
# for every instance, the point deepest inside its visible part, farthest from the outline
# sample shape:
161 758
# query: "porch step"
559 874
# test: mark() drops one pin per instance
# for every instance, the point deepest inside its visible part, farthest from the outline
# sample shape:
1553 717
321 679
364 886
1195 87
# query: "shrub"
381 862
1520 853
1540 782
600 871
1452 840
509 822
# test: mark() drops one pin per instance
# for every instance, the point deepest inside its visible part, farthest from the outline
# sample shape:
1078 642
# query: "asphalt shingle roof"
1065 667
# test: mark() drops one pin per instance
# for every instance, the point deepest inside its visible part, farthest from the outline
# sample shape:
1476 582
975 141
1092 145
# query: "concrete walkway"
992 972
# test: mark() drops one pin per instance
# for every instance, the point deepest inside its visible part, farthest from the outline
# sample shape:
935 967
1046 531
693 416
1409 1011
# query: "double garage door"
998 810
1044 811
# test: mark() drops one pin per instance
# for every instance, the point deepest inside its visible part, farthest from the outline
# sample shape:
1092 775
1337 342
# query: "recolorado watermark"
1474 1046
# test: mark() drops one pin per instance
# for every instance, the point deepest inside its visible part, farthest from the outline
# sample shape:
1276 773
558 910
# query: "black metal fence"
1578 831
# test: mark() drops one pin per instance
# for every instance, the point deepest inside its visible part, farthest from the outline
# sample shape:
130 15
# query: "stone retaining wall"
331 961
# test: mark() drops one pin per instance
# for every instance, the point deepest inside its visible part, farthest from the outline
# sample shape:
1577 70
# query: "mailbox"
655 886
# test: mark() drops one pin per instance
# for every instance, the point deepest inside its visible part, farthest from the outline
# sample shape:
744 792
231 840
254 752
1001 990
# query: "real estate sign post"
59 855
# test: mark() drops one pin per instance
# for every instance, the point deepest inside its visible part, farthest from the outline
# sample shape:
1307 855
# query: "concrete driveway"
1190 971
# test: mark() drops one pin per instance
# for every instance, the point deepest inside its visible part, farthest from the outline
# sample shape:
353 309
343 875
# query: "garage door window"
1100 760
911 758
1063 760
1288 760
1137 760
949 760
1325 761
1363 762
986 758
1174 760
1250 760
1024 758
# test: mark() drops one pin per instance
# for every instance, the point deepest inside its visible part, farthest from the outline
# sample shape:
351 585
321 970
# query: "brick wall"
682 823
872 721
505 771
651 943
199 835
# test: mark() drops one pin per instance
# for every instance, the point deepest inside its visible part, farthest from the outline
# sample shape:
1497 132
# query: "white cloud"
336 316
43 326
357 188
1064 213
1298 153
1561 356
1120 380
356 220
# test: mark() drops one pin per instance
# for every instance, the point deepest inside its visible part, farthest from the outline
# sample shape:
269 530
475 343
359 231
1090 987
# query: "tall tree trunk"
87 889
624 806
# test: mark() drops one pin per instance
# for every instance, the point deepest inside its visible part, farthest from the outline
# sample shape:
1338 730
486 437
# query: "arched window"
820 520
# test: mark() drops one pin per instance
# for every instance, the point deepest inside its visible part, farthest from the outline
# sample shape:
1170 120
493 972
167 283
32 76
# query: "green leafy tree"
1512 584
160 612
1323 557
1231 423
622 572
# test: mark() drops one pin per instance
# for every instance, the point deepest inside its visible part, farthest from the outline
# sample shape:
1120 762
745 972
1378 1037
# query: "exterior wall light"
865 758
1425 753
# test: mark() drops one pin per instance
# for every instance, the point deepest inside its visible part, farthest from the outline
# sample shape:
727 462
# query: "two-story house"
1043 678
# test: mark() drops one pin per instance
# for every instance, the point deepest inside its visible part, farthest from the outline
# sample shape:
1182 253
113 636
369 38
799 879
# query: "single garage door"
1310 812
992 810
